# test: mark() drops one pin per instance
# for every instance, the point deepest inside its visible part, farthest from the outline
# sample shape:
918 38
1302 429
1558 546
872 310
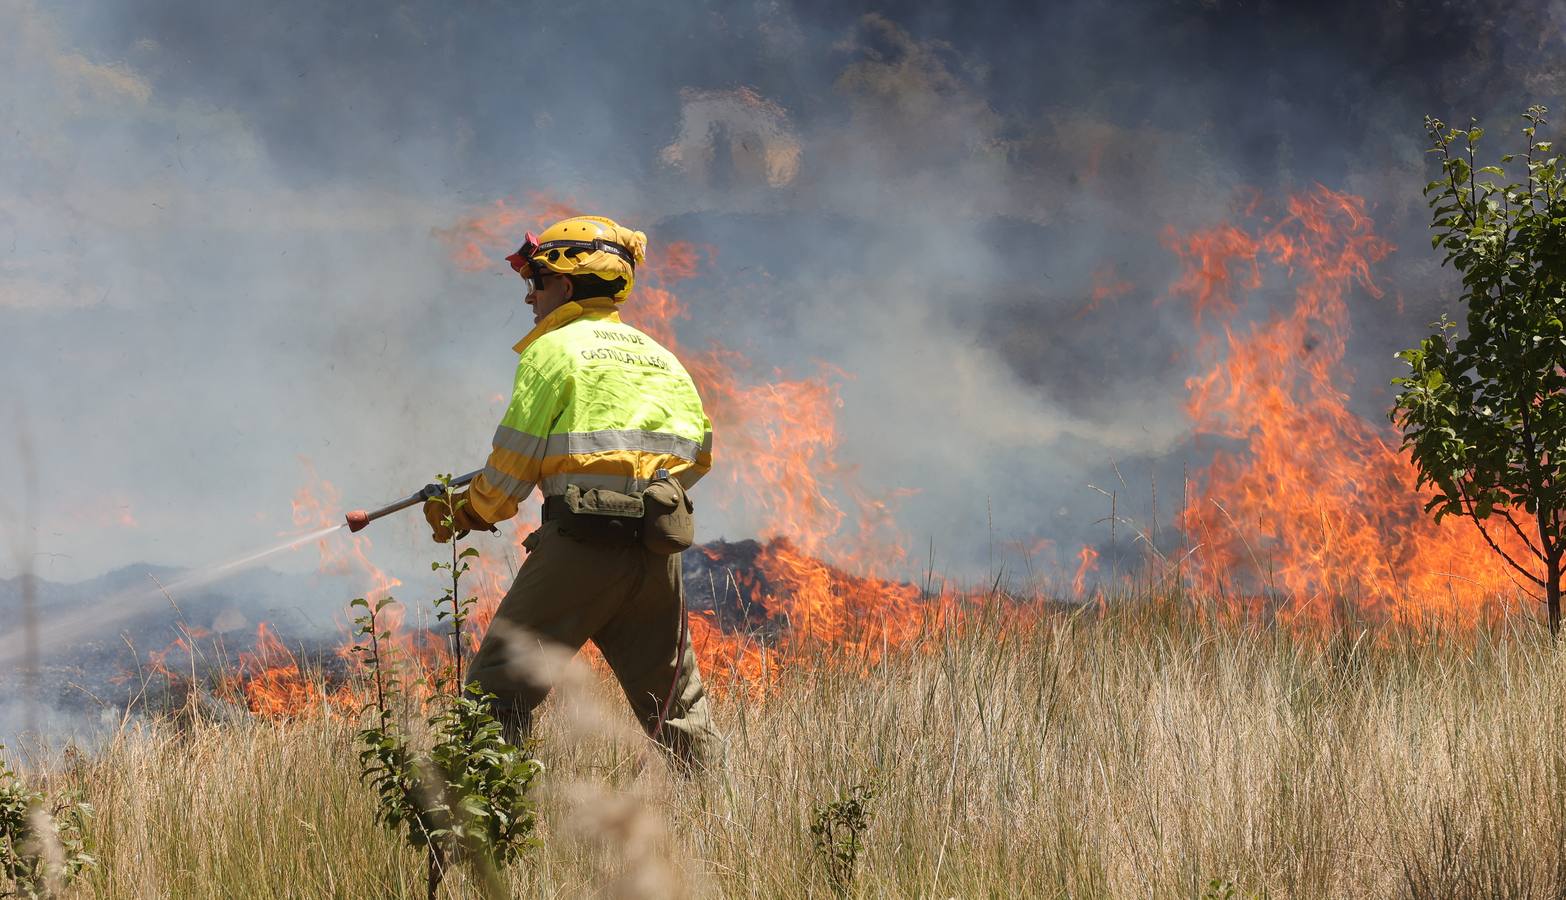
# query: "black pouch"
669 525
601 516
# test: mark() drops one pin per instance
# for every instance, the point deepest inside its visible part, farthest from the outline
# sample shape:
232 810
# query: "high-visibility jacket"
598 404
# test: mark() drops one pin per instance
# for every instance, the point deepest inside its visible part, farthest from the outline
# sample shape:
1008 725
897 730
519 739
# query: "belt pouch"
669 526
601 516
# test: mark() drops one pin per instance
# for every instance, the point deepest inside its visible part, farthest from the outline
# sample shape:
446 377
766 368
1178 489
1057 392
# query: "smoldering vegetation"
1148 749
120 647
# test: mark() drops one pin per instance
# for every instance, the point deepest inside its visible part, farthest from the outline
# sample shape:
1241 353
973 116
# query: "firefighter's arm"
517 455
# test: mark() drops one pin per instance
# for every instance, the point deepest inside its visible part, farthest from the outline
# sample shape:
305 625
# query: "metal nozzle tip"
358 519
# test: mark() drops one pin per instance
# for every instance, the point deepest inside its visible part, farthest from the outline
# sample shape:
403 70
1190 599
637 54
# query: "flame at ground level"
1319 509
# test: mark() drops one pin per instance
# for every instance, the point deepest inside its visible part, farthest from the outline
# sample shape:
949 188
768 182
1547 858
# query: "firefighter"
608 425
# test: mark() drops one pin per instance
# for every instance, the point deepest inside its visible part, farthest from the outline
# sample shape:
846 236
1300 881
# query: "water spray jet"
359 518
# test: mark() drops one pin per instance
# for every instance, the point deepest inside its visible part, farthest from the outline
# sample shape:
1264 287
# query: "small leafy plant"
466 797
43 846
838 831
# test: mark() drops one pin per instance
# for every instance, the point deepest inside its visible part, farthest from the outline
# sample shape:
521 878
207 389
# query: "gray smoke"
220 251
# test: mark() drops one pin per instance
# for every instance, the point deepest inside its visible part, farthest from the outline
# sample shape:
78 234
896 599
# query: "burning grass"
1142 750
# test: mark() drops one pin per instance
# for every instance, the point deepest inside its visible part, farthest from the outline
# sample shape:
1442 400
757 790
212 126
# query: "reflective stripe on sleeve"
512 485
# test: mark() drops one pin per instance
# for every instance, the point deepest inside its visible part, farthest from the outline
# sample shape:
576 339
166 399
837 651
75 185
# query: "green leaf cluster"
837 831
483 807
29 866
1483 406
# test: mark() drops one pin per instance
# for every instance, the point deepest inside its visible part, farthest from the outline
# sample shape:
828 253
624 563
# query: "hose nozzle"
360 518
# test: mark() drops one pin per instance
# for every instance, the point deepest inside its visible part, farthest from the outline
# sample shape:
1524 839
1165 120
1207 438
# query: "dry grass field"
1136 753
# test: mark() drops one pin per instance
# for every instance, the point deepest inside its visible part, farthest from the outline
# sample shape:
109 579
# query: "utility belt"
659 517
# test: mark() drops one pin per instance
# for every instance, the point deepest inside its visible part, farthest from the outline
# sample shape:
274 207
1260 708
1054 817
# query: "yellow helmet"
585 245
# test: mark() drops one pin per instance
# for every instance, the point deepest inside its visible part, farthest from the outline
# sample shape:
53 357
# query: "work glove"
465 519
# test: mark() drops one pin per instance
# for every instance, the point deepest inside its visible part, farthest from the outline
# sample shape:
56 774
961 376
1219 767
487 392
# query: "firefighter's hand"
435 512
466 520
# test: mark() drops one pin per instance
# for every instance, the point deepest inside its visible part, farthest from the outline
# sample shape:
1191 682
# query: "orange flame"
269 679
1087 564
1107 285
272 682
1321 507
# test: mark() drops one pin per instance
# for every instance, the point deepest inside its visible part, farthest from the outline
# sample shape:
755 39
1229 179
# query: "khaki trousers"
627 601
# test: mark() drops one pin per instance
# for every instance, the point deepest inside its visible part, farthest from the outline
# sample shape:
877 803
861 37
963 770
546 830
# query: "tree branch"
1526 541
1478 523
1552 547
1473 192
